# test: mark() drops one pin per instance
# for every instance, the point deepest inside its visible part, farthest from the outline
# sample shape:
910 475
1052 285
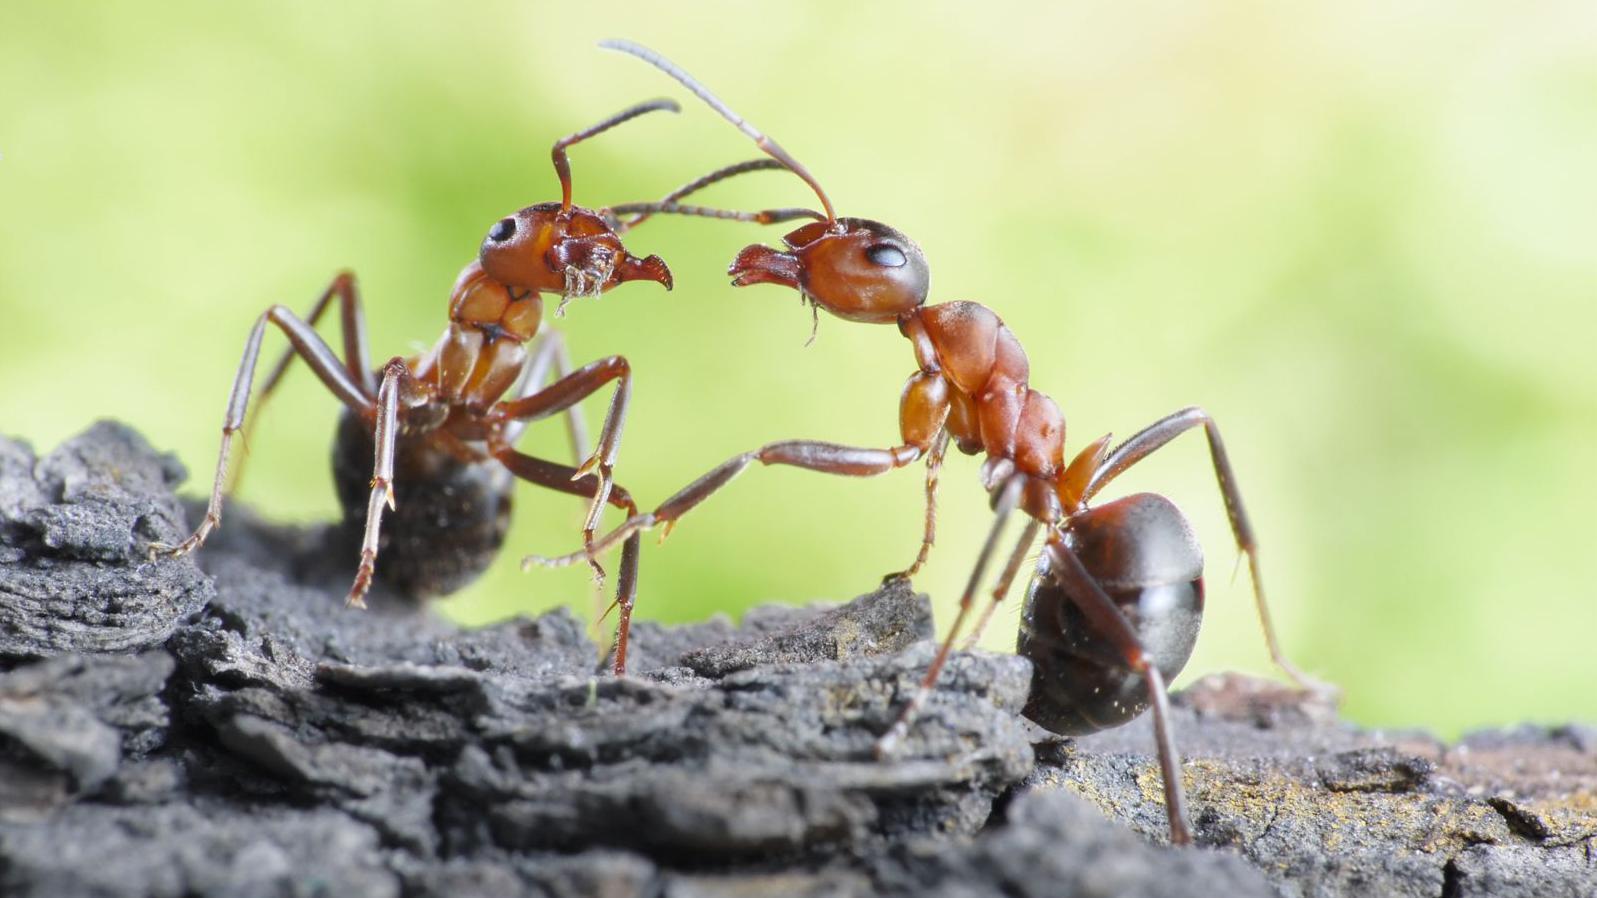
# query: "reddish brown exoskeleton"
1113 608
442 425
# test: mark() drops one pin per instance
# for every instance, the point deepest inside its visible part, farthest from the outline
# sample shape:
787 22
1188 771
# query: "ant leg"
387 432
357 358
551 351
934 466
1005 579
1106 617
626 596
352 326
827 458
923 410
1008 498
308 345
567 392
1155 436
561 478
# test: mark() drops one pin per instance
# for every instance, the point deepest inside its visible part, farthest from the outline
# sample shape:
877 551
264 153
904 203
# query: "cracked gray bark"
237 732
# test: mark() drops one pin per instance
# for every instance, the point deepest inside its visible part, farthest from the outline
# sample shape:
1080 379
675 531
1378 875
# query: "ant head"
550 248
563 248
857 269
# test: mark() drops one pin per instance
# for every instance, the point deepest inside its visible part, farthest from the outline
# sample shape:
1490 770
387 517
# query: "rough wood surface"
165 732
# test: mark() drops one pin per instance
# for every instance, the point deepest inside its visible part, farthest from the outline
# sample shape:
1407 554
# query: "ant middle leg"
565 393
562 478
1017 557
334 374
1008 498
1155 436
550 352
384 437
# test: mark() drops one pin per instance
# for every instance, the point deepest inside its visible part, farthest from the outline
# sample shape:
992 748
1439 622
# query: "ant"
1114 604
438 425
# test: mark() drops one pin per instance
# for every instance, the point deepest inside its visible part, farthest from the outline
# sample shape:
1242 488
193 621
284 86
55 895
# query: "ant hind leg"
1106 617
1008 499
1155 436
307 344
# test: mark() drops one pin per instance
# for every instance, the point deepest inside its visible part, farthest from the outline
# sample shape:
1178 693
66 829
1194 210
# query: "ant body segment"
439 429
1113 607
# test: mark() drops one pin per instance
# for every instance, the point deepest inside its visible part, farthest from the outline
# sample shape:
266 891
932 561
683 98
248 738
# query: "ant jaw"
653 268
759 264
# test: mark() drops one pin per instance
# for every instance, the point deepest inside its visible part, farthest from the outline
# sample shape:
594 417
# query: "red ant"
1113 608
438 424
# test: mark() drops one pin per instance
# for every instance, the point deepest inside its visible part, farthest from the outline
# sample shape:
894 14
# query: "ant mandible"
437 425
1113 607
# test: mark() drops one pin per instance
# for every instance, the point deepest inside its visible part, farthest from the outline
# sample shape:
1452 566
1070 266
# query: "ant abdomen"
450 520
1142 551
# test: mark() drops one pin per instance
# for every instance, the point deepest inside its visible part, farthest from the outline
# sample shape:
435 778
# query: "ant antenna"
563 164
669 203
764 216
771 147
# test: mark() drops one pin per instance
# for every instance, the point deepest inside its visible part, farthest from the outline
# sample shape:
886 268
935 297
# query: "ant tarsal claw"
885 746
598 571
1318 690
592 464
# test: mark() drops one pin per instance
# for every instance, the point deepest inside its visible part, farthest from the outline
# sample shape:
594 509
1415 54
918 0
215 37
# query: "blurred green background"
1360 233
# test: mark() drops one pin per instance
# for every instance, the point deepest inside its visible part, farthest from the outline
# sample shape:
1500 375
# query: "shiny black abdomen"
1141 550
449 520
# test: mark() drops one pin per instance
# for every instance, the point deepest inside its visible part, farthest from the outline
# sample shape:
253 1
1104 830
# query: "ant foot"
195 540
886 745
363 581
593 560
592 464
1318 691
595 467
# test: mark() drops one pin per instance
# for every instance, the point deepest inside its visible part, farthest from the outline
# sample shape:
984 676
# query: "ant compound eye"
886 255
503 230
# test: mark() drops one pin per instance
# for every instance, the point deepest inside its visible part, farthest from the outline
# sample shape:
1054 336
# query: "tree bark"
236 731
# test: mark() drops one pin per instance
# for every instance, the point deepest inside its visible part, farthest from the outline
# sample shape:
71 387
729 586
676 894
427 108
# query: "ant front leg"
1008 497
1153 437
385 436
587 265
566 393
564 479
827 458
923 421
934 467
334 375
